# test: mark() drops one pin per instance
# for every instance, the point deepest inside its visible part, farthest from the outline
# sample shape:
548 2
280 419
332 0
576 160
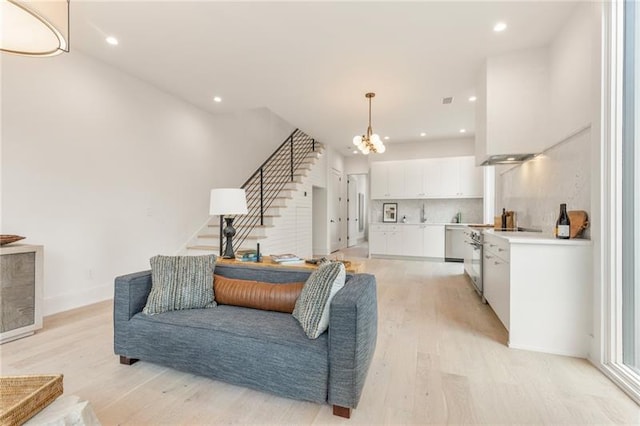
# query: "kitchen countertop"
535 238
473 225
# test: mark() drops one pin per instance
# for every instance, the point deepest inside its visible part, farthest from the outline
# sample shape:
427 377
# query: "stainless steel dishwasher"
454 244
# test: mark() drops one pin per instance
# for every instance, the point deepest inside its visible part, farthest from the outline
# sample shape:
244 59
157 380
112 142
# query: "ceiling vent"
446 101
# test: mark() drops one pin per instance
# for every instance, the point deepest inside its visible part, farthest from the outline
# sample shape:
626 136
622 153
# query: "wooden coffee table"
351 266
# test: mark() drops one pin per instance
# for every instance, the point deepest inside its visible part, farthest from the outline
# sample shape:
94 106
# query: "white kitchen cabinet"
385 240
431 177
496 280
412 240
414 185
377 241
388 180
379 180
433 241
471 183
539 287
449 177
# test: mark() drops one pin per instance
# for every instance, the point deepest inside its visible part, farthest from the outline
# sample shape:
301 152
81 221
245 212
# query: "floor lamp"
226 202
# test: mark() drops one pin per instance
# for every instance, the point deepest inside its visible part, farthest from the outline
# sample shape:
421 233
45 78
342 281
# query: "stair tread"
248 237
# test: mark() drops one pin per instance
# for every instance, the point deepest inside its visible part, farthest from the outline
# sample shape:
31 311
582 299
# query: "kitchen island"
540 288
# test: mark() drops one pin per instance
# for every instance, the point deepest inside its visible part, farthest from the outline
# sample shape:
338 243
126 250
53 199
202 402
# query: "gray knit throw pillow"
180 282
312 307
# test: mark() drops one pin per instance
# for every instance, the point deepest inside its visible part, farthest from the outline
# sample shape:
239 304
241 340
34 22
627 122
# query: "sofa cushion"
256 294
180 282
312 307
263 350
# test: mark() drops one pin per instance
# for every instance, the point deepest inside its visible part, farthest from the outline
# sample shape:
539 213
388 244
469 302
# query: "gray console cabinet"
21 276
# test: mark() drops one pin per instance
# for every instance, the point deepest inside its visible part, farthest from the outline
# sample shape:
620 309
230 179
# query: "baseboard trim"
68 301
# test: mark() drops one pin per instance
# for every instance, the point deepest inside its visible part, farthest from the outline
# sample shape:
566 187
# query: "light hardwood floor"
440 358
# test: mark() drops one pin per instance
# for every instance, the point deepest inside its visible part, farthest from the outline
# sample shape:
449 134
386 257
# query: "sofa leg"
342 411
128 361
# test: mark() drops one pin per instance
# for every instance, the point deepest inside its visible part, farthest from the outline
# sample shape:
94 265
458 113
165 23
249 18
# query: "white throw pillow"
313 305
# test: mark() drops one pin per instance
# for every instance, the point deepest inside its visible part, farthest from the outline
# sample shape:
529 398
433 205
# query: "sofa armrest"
353 330
130 296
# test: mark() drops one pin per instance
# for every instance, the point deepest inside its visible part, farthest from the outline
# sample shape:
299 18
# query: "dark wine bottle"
563 226
504 219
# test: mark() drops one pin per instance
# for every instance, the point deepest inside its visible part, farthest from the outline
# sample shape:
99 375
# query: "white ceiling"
312 62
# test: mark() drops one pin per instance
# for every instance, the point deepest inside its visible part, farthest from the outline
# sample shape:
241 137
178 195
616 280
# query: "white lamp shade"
228 201
357 140
34 27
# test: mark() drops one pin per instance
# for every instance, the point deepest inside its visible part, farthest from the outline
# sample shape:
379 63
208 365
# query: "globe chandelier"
370 142
34 28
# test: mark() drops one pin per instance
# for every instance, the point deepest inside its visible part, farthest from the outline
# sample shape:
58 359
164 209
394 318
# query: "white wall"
106 171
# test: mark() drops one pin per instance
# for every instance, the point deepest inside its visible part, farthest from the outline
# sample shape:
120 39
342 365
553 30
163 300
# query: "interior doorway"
357 206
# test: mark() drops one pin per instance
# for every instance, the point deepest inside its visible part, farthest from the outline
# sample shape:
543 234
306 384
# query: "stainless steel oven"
473 258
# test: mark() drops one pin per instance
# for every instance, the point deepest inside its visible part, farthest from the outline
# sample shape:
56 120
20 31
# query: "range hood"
507 159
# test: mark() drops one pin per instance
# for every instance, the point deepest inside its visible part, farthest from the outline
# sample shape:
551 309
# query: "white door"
352 211
335 210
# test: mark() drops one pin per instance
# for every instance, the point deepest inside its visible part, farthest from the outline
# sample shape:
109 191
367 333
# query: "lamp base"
229 231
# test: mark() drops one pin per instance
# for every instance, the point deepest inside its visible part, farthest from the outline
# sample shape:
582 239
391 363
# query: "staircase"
271 191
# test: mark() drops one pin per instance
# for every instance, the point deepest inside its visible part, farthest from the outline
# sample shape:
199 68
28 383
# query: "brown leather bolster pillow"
256 294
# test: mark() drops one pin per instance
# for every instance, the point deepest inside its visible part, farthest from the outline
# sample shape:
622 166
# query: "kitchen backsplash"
535 189
436 211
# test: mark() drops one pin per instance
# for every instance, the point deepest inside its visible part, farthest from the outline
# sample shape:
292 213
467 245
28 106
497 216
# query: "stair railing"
267 182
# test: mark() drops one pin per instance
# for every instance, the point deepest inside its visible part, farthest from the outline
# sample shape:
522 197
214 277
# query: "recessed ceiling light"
355 151
472 98
386 138
423 134
463 130
217 99
112 40
499 27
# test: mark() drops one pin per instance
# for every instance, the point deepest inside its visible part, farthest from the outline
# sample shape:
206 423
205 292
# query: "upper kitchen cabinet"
460 178
512 106
471 183
388 180
452 177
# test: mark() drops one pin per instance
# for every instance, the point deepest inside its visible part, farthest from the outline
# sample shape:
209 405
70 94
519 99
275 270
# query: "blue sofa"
263 350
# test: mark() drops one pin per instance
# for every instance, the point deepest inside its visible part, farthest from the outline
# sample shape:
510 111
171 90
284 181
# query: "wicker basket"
22 397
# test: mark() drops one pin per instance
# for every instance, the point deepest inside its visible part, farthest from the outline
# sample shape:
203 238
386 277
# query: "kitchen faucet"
423 216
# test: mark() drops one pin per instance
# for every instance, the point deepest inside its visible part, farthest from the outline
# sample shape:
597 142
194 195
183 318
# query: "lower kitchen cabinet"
385 240
540 289
496 284
410 240
433 241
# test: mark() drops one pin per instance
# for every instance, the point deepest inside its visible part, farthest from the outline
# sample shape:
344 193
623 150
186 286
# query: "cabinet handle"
486 256
500 249
496 262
